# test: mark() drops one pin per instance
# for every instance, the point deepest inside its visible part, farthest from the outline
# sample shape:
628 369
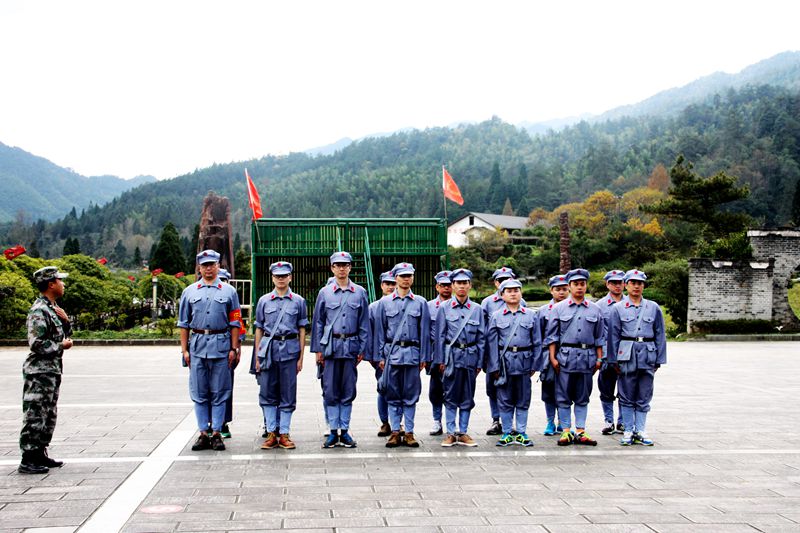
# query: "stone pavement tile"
73 508
298 513
723 518
485 529
615 528
426 504
509 510
50 496
151 527
455 520
380 513
544 519
292 523
721 528
23 523
793 515
421 529
65 529
356 504
775 528
637 518
228 525
189 498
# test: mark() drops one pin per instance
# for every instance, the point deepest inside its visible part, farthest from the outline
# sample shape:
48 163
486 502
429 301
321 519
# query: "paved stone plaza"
727 457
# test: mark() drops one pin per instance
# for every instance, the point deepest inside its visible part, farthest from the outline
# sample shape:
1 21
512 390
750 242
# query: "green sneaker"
523 440
225 431
506 440
566 438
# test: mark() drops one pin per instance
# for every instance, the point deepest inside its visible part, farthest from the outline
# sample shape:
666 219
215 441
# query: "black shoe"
496 428
265 434
216 442
202 443
45 460
30 463
225 431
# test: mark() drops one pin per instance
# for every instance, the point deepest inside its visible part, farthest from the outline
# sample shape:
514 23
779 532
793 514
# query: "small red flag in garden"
252 197
14 251
131 278
158 271
102 260
179 275
450 188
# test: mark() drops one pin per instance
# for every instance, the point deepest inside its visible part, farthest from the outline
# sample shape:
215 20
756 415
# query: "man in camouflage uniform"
48 336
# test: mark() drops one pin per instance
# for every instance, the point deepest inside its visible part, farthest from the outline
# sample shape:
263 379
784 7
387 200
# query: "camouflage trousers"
39 411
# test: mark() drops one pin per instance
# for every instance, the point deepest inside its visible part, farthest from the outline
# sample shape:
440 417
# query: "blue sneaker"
627 439
642 439
506 440
550 429
331 441
523 440
346 440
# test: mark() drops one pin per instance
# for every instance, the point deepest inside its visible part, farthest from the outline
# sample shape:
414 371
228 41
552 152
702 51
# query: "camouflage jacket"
45 333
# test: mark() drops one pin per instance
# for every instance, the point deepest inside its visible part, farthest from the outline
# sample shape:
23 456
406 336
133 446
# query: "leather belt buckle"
513 349
639 339
206 332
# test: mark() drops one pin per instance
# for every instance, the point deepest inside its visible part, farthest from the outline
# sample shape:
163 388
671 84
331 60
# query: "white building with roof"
458 232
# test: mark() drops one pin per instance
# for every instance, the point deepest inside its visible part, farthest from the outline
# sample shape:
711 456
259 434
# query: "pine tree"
496 192
507 209
168 254
137 257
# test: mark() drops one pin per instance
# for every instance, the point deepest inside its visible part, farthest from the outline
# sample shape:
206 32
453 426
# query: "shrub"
742 326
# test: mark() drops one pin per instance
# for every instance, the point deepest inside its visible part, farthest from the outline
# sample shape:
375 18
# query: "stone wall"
784 246
730 290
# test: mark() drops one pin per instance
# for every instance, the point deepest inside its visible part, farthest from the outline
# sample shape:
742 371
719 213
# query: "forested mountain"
35 187
753 133
782 70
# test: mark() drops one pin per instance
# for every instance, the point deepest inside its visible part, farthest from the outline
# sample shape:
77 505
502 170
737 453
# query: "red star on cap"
635 271
205 254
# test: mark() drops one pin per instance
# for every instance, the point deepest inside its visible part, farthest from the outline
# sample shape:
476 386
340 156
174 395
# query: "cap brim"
62 275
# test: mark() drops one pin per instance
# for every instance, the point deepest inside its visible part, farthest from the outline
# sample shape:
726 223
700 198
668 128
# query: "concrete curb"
759 337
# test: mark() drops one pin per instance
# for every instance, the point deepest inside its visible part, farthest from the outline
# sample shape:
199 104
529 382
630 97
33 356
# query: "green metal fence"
376 244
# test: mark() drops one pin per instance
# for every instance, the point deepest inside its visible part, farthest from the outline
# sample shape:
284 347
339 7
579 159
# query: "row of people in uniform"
454 339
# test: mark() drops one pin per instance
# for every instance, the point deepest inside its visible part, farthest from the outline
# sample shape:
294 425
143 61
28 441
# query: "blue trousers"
514 398
450 419
405 385
436 392
278 385
607 384
398 413
491 392
339 377
459 389
277 419
383 406
209 385
635 389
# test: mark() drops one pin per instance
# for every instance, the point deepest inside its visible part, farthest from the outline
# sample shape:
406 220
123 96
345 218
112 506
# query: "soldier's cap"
281 268
402 268
207 256
48 273
387 277
341 257
461 274
224 274
577 274
503 272
614 275
442 278
509 284
635 274
558 280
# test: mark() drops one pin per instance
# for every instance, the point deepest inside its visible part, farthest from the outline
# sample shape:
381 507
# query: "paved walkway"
727 457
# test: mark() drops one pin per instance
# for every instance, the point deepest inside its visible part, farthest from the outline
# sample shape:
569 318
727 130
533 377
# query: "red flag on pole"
102 261
157 271
450 188
253 198
14 251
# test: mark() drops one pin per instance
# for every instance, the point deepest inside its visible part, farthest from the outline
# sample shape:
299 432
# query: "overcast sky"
164 87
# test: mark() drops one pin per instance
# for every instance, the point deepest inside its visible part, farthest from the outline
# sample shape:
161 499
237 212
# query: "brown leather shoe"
271 442
385 430
285 442
394 440
466 440
449 441
410 441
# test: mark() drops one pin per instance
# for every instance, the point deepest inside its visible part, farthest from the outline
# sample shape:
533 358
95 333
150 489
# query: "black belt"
515 349
403 344
639 339
463 346
572 345
284 337
208 331
343 335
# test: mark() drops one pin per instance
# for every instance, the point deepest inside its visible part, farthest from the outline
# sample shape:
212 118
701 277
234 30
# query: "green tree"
120 253
700 201
168 254
496 192
668 285
137 257
16 295
241 264
71 246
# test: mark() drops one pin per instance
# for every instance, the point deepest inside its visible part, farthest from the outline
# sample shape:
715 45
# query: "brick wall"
784 246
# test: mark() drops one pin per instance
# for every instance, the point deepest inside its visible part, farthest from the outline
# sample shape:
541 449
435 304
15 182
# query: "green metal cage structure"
376 244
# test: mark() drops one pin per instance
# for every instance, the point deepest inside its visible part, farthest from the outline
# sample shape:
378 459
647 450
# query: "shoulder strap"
400 327
460 329
510 336
338 312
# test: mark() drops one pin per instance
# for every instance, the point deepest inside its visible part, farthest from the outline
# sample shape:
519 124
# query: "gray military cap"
48 273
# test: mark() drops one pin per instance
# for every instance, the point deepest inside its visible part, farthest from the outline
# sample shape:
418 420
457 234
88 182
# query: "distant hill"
782 70
42 189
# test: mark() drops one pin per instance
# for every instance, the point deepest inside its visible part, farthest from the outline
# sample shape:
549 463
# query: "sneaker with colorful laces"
608 429
566 438
523 440
584 439
505 440
627 439
550 429
642 439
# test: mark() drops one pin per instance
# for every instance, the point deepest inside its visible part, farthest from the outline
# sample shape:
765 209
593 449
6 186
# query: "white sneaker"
437 428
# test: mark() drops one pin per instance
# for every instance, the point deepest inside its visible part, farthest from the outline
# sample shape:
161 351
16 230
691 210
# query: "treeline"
752 133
